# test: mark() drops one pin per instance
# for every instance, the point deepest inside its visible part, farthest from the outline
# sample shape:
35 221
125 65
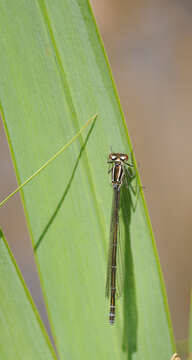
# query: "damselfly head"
118 157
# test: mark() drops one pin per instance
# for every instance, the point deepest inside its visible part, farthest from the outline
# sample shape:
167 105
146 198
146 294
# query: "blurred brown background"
150 50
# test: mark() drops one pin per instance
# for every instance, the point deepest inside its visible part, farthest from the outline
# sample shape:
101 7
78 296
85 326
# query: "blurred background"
149 47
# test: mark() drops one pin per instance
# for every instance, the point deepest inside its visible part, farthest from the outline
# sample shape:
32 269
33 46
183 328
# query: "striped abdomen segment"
114 255
113 288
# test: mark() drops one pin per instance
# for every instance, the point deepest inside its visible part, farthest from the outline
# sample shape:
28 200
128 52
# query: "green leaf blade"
22 333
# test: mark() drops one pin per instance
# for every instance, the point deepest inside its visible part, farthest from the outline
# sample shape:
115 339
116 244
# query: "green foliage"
54 76
22 334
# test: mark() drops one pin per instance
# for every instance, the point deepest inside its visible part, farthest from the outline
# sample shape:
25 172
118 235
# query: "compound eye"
124 157
113 157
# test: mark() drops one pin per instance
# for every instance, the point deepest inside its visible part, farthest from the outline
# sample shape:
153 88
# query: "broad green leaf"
54 76
22 333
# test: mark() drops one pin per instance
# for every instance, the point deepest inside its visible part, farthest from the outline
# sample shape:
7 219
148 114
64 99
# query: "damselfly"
119 171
